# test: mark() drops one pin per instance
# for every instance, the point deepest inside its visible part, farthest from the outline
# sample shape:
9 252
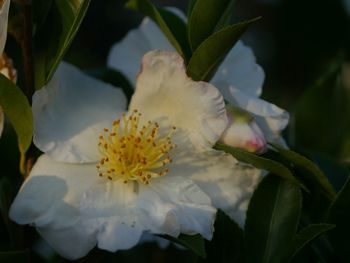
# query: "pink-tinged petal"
4 13
71 111
270 118
165 93
243 132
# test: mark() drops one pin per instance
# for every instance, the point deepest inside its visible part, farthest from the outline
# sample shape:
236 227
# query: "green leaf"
179 30
113 77
174 35
304 237
314 173
41 10
272 219
195 243
261 163
54 38
190 7
208 56
18 111
204 18
339 214
322 115
227 244
21 256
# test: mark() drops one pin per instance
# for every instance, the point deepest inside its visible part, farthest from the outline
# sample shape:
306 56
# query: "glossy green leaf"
339 214
195 243
174 32
54 38
208 56
18 111
305 237
261 163
314 173
114 78
227 244
21 256
272 219
204 18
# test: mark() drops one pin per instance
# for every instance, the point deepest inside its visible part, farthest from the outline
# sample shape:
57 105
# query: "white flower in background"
6 66
4 13
239 78
106 177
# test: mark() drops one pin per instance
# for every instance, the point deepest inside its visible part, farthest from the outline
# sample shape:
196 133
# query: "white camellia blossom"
239 78
106 177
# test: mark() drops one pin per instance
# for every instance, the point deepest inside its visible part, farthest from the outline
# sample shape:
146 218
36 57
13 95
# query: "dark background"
295 40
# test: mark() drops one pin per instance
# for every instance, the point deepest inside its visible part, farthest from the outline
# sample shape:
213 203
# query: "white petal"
127 54
120 212
71 243
228 183
50 197
164 92
240 70
270 118
71 111
4 12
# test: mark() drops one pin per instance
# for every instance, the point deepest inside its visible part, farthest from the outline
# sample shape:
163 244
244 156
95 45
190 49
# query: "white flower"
4 11
239 78
107 178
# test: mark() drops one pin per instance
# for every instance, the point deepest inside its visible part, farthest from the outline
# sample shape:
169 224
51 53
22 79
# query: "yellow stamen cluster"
133 153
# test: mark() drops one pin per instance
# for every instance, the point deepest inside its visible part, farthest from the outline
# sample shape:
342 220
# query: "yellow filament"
133 153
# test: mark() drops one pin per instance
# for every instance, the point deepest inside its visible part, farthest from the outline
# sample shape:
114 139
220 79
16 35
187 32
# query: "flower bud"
242 131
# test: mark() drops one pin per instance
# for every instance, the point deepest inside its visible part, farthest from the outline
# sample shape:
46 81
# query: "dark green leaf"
178 27
227 244
322 115
114 78
208 56
260 162
148 9
55 36
304 237
17 109
339 214
194 243
336 172
204 19
190 7
41 9
315 174
272 219
14 256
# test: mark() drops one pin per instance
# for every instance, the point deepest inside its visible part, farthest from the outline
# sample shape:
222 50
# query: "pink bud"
242 131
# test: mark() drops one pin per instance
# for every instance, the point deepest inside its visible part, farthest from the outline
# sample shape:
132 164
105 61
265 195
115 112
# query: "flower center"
133 153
